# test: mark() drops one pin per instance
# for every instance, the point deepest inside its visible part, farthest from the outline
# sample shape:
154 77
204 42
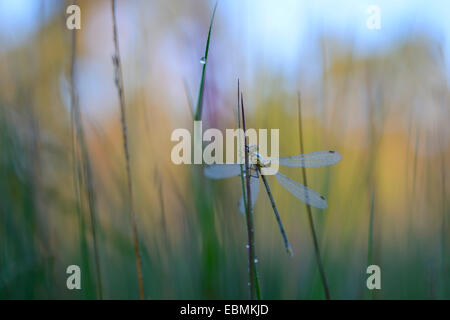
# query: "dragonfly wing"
301 192
254 189
221 171
313 159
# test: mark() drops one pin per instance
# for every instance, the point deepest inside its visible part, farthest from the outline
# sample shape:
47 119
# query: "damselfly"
301 192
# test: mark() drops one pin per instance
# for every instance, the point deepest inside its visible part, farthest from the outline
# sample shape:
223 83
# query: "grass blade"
308 209
120 90
198 112
85 163
255 292
370 239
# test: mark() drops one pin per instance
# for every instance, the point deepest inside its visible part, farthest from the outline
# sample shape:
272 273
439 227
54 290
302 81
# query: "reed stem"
79 136
253 274
370 238
308 209
120 90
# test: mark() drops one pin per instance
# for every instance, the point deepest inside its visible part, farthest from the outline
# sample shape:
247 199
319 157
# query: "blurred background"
378 97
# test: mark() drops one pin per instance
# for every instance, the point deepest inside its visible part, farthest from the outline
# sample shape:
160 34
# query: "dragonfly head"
255 157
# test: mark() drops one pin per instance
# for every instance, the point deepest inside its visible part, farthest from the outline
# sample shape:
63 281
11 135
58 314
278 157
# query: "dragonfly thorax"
256 158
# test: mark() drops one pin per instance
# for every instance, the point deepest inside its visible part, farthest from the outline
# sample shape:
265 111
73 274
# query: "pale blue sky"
19 19
281 30
281 37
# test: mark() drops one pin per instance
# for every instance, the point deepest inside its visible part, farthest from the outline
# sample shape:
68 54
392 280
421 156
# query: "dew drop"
256 260
203 60
247 246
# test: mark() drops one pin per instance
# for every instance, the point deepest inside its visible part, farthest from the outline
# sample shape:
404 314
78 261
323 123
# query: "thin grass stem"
371 225
79 136
120 90
253 274
308 209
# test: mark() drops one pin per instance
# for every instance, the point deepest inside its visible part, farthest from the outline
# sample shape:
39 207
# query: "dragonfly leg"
255 173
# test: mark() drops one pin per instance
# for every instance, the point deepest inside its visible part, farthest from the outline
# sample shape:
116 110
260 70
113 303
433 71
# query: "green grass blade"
198 112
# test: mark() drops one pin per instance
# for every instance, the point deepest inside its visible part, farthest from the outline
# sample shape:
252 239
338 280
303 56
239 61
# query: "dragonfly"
257 165
258 162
